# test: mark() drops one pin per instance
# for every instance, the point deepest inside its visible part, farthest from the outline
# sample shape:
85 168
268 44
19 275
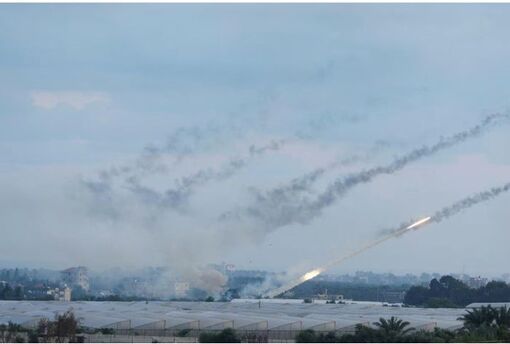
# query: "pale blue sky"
87 87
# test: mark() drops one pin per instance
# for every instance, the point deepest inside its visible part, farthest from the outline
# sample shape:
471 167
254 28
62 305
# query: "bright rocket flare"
308 276
419 222
314 273
311 274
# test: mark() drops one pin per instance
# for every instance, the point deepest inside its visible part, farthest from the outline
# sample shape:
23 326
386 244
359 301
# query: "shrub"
226 336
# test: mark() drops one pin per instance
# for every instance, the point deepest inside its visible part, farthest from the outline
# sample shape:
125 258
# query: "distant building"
393 296
329 297
77 276
62 294
326 296
39 291
477 282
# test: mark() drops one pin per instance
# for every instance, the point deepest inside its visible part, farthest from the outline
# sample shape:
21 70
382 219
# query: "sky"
151 135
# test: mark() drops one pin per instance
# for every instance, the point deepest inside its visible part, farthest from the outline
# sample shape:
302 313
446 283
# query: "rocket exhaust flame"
311 274
316 272
438 216
419 223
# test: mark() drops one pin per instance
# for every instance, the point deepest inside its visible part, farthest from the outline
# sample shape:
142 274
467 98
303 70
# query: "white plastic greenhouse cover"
290 316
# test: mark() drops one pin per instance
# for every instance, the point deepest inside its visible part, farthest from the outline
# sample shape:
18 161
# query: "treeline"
27 276
449 292
485 324
26 284
7 292
354 291
64 329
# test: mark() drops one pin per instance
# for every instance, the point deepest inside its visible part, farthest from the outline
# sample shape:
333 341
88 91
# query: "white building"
64 295
77 276
60 294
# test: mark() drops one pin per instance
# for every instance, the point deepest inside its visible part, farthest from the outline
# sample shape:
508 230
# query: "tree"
3 331
62 329
363 334
502 317
451 292
106 330
393 328
457 291
33 337
329 337
228 335
6 292
437 289
478 317
494 292
306 336
9 332
66 325
43 328
12 331
486 323
18 293
440 302
416 295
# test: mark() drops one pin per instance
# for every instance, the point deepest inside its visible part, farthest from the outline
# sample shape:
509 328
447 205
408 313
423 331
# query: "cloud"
77 100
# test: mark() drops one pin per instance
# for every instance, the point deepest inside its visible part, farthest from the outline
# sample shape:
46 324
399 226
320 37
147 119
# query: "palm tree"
502 317
393 327
12 331
483 316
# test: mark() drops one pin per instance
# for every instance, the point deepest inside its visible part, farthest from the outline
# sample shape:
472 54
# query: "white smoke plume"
277 209
455 208
160 282
178 196
182 143
468 202
270 282
295 188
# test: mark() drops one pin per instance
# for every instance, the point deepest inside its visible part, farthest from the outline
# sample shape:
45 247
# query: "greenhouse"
268 318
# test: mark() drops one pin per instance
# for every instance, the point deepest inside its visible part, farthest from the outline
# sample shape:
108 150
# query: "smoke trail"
187 140
295 188
179 195
437 217
402 229
340 187
183 142
273 213
289 191
180 144
469 202
304 182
